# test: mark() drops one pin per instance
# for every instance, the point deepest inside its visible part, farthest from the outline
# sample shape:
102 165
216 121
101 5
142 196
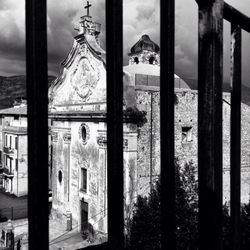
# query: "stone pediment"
82 81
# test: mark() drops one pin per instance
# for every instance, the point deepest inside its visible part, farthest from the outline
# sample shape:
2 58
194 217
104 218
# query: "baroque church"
77 112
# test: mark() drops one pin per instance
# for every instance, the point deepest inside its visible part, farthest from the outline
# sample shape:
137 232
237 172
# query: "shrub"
144 231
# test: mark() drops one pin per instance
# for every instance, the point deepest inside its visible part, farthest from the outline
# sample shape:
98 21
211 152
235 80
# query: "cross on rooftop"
87 7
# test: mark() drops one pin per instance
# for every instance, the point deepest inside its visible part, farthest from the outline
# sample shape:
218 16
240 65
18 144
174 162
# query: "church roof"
149 74
145 43
20 110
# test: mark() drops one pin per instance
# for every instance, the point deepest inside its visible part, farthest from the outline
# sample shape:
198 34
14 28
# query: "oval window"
84 133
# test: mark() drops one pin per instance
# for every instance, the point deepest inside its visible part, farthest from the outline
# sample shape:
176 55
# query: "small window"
136 60
187 134
151 60
84 179
11 164
6 140
16 165
60 176
16 142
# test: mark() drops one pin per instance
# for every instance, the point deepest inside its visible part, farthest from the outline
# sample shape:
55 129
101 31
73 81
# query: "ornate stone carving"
101 141
125 144
84 78
54 136
67 137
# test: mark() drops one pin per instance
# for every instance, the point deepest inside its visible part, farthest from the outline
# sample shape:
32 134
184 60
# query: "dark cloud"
140 17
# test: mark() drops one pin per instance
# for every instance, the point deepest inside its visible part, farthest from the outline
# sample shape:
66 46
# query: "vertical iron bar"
235 152
151 144
168 227
210 77
37 88
114 46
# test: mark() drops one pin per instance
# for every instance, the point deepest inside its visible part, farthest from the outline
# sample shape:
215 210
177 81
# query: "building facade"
13 149
78 129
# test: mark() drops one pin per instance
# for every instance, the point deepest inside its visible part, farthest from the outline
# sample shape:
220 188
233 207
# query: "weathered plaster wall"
70 157
22 178
90 154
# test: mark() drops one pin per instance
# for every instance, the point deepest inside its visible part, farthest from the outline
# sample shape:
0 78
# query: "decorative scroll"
54 136
67 137
125 144
102 141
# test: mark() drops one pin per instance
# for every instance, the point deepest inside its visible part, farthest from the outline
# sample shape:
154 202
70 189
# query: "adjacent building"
13 149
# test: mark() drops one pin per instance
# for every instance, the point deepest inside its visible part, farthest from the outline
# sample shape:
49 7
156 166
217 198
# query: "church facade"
77 111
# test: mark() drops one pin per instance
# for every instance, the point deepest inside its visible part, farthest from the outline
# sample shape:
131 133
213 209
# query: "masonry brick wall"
186 114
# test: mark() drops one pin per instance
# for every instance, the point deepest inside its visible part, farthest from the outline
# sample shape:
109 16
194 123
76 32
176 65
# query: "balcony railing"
211 13
7 172
8 150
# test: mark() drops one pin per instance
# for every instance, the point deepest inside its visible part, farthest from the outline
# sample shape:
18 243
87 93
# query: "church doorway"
84 216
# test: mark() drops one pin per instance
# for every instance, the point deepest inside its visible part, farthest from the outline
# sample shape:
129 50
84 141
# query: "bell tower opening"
151 60
136 60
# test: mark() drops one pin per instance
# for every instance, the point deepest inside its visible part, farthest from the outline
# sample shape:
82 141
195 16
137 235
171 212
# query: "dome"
145 43
147 74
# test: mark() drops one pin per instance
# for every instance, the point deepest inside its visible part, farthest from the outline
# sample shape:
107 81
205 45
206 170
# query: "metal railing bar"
234 16
167 97
210 75
37 95
114 47
235 143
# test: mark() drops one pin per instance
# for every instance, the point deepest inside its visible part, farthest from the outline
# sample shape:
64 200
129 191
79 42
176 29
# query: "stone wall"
186 115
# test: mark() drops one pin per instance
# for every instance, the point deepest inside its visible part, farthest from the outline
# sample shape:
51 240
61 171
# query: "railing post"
114 31
37 93
210 77
167 99
235 146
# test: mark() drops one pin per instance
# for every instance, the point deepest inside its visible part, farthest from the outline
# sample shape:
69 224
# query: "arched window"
136 60
151 60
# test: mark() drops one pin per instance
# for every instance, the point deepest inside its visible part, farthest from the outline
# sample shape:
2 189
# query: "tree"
145 224
144 232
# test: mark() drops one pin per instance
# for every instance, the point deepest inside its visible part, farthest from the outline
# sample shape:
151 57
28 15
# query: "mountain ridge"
12 87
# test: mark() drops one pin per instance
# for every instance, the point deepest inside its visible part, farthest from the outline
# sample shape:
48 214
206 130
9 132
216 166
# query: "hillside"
13 87
245 91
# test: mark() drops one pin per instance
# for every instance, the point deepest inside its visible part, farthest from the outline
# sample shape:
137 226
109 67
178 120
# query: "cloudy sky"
140 17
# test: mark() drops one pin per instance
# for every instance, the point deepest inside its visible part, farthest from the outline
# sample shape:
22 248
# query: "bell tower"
145 51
